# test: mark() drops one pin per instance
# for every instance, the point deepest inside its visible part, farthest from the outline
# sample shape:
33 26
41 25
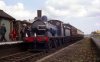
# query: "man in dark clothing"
0 33
3 31
25 30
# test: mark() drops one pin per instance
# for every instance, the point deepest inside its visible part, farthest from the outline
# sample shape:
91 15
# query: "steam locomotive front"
38 32
38 28
41 30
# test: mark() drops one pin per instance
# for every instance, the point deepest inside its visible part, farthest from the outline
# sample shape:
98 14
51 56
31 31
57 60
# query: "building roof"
5 15
23 21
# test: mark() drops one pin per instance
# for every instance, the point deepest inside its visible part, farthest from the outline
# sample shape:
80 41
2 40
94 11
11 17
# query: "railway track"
20 57
28 56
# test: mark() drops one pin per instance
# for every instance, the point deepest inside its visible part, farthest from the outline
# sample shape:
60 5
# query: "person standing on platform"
3 32
13 35
25 30
0 33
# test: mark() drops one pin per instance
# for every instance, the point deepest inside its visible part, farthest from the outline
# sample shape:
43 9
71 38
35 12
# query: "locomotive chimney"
39 13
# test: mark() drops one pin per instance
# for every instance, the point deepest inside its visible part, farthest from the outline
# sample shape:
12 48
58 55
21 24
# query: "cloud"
83 14
18 11
73 8
94 9
97 24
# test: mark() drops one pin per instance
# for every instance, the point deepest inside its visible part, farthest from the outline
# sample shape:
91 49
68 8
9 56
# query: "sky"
83 14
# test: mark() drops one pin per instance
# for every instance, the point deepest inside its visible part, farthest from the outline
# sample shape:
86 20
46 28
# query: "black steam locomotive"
46 34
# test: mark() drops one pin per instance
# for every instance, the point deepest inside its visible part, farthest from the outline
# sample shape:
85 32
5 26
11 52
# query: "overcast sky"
83 14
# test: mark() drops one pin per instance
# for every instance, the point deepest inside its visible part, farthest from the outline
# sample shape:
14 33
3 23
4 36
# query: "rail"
20 57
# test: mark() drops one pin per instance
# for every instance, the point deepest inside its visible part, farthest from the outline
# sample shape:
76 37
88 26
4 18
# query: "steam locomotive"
47 34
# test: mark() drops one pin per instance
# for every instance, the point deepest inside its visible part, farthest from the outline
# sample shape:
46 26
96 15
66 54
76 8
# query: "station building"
8 21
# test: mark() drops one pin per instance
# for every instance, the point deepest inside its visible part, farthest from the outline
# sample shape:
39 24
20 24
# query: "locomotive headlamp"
35 34
26 35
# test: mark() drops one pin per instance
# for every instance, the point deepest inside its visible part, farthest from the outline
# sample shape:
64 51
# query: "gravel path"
82 51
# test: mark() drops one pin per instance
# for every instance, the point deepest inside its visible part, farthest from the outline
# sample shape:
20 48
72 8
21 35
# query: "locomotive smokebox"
39 13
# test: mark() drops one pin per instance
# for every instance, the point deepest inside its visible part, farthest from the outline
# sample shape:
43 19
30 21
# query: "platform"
97 42
81 51
11 47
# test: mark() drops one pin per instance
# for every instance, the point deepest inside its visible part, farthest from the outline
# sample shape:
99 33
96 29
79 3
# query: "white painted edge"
12 42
